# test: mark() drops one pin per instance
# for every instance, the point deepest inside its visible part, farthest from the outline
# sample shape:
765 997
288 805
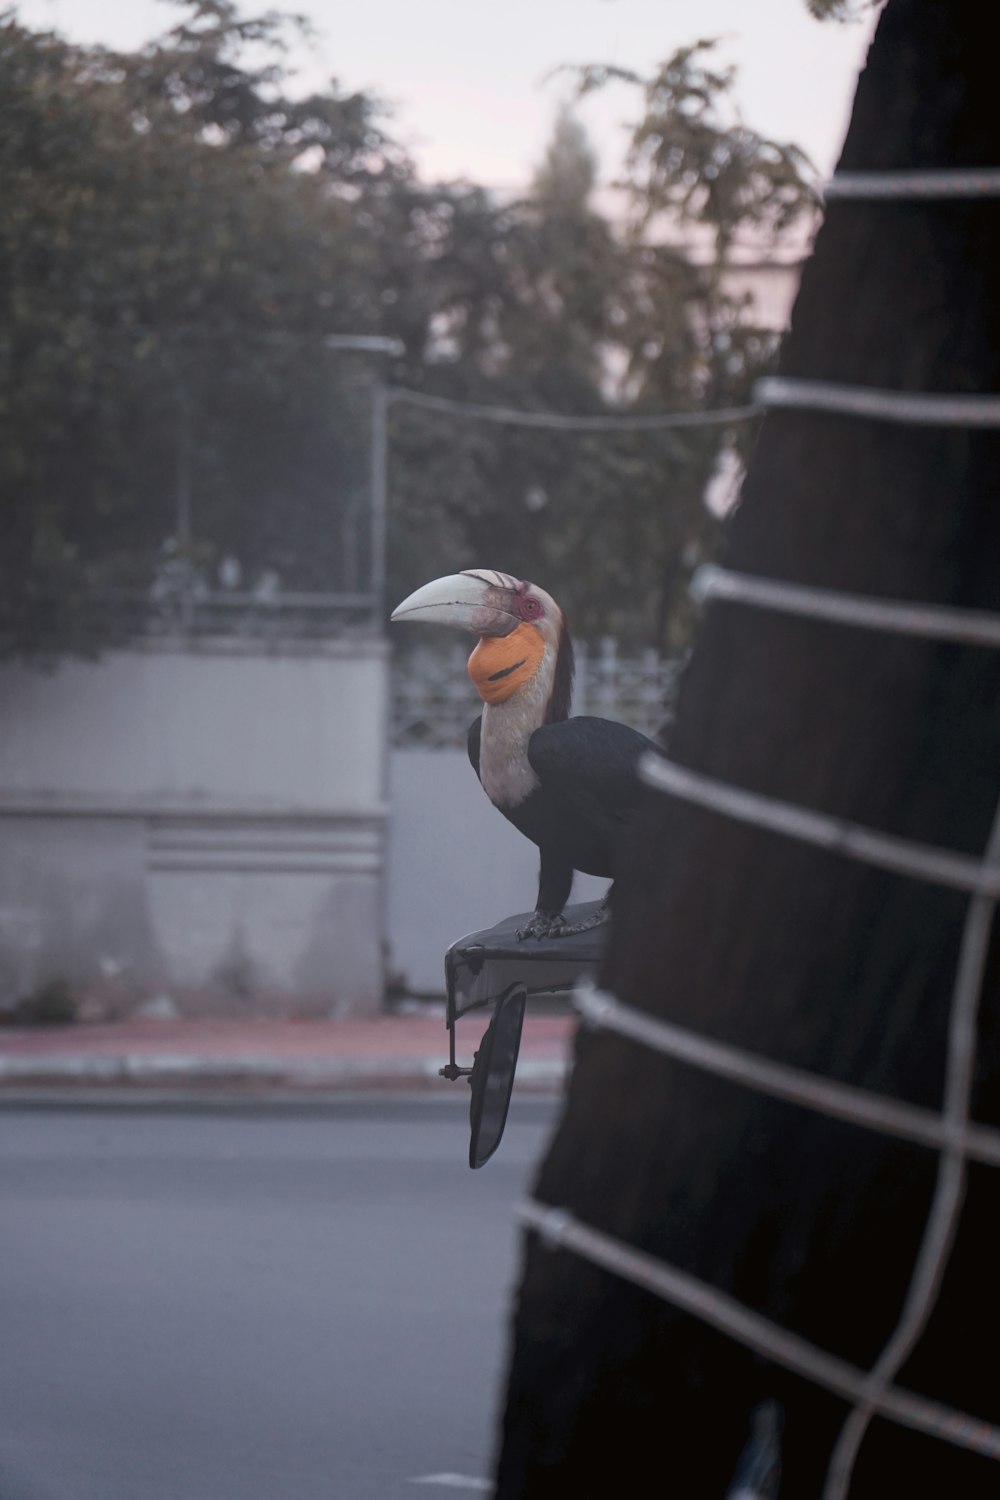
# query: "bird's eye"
530 608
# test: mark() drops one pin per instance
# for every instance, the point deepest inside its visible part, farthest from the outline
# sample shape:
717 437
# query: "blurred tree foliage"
176 240
554 310
180 233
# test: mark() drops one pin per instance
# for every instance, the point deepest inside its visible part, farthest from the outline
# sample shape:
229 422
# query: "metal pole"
375 344
366 343
379 494
182 473
183 492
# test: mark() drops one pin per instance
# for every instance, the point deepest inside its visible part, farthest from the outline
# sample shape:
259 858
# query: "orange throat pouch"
501 664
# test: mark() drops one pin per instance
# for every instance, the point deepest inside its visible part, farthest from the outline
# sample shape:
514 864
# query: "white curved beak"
464 600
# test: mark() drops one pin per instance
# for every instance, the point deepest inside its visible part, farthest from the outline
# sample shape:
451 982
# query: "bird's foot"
595 919
547 924
543 924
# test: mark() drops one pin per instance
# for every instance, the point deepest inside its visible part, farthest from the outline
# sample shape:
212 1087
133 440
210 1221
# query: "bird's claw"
595 919
547 924
543 924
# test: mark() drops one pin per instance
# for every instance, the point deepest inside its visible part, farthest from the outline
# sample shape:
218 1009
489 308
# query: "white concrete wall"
225 724
206 820
223 826
455 864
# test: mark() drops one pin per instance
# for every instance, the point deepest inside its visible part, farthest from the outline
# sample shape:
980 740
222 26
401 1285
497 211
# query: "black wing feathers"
475 735
591 764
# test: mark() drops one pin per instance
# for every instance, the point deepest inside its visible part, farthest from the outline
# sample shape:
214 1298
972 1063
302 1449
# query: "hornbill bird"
568 784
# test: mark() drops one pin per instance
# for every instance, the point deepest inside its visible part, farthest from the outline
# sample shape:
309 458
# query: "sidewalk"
397 1051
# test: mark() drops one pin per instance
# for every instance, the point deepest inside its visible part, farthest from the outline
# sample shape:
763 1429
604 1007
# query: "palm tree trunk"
810 958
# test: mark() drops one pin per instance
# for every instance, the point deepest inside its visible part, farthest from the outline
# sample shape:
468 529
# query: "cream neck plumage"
504 768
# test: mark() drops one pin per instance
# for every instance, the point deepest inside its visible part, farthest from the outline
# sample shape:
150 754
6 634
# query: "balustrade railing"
434 702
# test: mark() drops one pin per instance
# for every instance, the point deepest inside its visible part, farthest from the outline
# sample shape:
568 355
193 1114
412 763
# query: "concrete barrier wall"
218 829
204 821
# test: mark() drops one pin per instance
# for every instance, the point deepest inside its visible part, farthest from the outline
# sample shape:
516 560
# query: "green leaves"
546 305
159 235
179 233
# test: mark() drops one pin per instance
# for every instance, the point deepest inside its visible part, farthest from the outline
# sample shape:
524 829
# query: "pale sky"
466 78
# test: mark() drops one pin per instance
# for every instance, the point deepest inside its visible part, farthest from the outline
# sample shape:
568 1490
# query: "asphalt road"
270 1304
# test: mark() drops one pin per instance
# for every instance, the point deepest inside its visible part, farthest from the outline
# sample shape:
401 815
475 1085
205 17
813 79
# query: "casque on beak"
467 600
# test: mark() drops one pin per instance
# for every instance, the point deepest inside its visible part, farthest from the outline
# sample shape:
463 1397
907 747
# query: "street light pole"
366 343
379 456
379 495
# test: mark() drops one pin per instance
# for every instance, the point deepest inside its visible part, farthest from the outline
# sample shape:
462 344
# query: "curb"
179 1069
